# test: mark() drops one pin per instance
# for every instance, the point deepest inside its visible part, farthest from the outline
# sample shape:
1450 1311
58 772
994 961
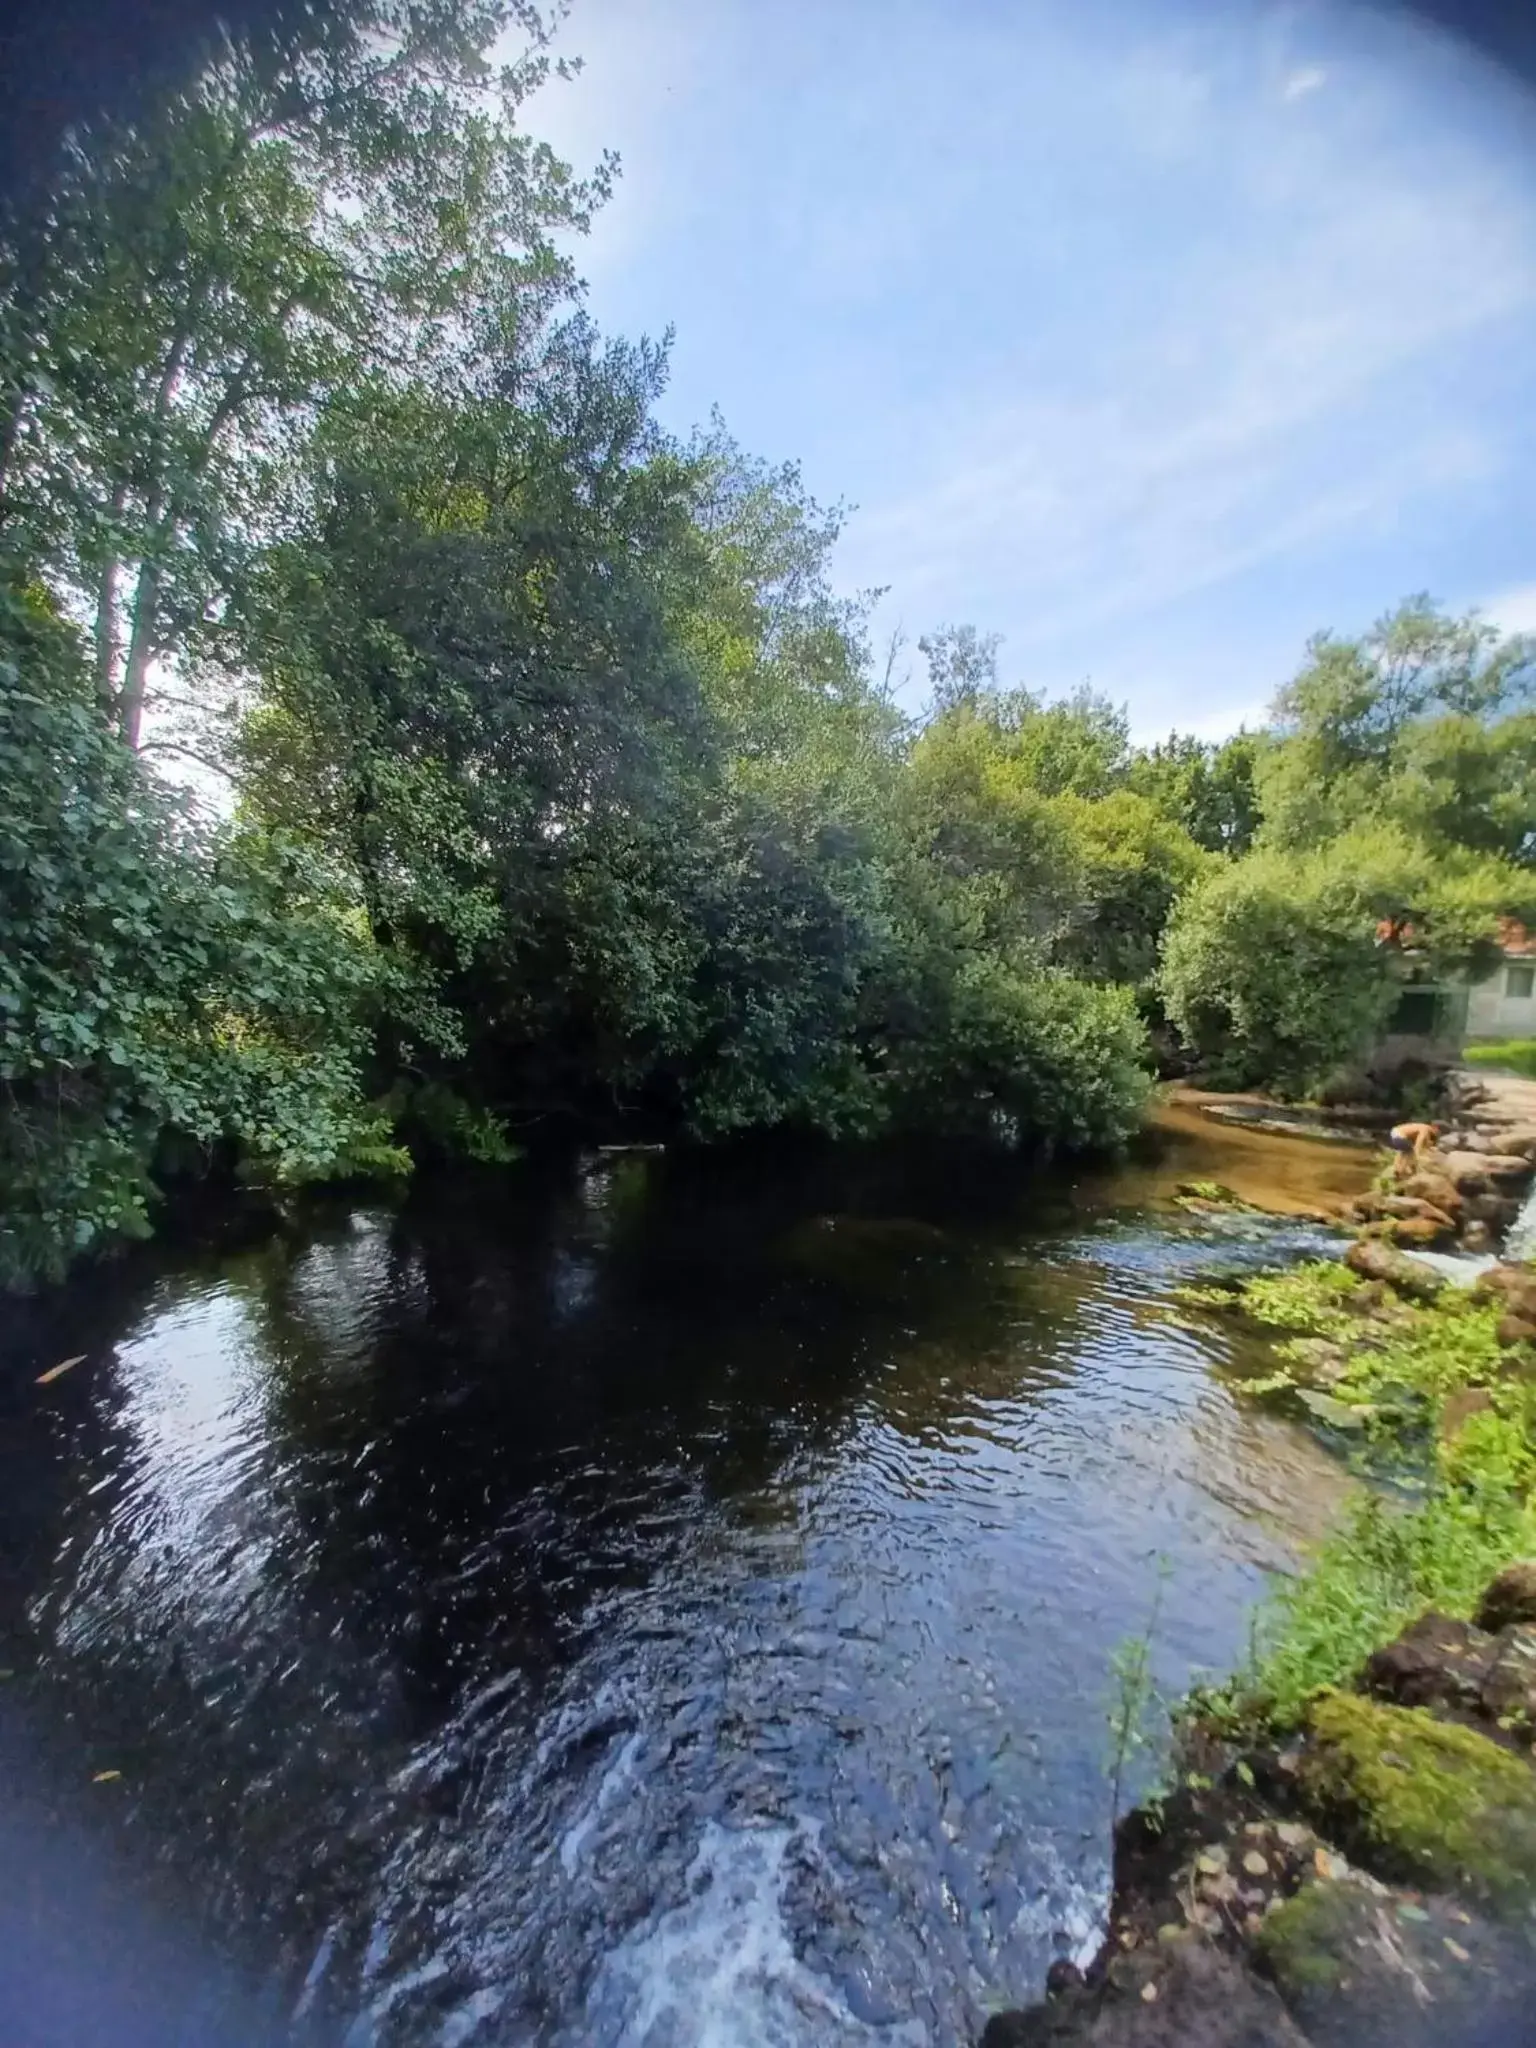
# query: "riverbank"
1344 1850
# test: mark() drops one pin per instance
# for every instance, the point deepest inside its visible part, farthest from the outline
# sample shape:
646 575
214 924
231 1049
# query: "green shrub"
157 979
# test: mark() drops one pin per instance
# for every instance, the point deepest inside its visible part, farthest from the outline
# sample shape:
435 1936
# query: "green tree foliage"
159 984
356 200
1208 787
1028 808
563 786
1398 822
1374 727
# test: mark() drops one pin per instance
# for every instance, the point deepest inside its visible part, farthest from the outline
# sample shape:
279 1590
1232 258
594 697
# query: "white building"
1503 1003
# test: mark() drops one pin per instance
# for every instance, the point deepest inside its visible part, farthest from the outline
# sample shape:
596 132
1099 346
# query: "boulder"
1416 1208
1189 1994
1436 1662
1361 1966
1467 1171
1422 1801
1507 1169
1418 1230
1494 1210
1509 1689
1516 1329
1373 1260
1435 1188
1514 1286
1485 1679
1509 1597
1522 1140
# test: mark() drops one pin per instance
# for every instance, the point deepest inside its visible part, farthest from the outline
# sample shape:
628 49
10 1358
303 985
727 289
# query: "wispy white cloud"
1512 611
1300 82
1087 321
1266 411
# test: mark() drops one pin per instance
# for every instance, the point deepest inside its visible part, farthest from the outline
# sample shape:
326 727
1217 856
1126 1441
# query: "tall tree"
351 202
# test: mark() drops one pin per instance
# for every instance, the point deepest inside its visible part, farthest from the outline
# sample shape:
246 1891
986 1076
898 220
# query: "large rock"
1415 1206
1481 1677
1511 1169
1425 1185
1437 1662
1422 1801
1466 1171
1514 1286
1419 1231
1510 1596
1495 1210
1187 1995
1361 1966
1373 1260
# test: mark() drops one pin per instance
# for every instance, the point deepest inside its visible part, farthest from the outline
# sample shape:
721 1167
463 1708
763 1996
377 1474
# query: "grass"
1386 1565
1471 1510
1518 1054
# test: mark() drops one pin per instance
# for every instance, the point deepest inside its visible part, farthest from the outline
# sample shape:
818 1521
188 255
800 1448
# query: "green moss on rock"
1424 1800
1301 1939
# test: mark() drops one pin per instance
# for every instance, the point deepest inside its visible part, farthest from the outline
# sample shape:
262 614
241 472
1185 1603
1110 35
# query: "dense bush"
564 788
157 981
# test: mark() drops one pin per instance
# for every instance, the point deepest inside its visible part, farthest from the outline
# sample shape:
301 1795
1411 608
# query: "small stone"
1455 1948
1255 1864
1170 1932
1063 1976
1211 1862
1294 1834
1148 1994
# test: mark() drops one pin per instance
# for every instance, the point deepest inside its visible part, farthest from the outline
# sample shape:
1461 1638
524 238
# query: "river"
640 1602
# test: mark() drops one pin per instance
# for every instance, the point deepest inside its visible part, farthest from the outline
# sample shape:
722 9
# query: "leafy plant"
1138 1718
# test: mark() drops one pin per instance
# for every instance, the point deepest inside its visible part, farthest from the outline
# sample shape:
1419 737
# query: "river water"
640 1603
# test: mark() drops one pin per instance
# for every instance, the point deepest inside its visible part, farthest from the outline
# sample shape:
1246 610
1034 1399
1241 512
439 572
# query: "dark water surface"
649 1602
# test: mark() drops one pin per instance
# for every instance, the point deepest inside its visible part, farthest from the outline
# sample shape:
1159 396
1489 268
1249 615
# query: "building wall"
1504 1004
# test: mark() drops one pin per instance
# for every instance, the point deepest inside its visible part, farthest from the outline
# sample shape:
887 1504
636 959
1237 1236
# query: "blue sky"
1149 336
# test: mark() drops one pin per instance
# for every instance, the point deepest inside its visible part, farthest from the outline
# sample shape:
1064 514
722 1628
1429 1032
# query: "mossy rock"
1210 1194
1354 1962
1303 1941
1421 1800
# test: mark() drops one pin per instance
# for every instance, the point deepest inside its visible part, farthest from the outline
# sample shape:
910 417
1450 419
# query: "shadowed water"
650 1602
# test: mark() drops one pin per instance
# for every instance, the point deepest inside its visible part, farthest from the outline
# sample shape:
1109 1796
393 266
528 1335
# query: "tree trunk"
107 639
141 652
12 406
